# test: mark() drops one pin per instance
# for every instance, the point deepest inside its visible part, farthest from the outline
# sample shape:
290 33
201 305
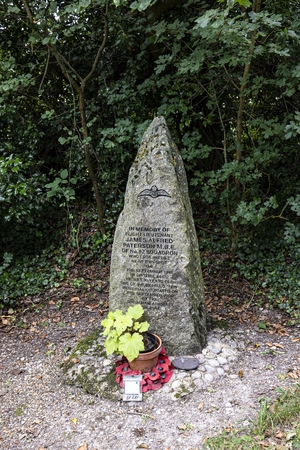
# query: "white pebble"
208 377
196 375
222 360
214 362
209 369
198 383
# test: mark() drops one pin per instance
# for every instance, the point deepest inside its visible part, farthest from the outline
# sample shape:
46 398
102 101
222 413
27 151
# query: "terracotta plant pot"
147 360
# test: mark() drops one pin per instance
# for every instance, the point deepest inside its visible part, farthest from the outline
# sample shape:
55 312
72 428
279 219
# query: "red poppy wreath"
151 380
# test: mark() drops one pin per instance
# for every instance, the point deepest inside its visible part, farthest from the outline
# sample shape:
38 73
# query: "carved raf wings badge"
154 192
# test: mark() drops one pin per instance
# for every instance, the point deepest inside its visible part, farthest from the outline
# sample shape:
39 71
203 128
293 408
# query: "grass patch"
277 426
20 410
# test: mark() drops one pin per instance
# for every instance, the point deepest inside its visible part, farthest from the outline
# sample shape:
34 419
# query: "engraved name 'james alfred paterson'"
155 259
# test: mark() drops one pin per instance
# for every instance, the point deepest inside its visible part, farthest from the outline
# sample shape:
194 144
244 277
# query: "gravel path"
39 410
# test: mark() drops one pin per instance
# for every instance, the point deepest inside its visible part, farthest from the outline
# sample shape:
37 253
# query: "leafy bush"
269 258
271 263
30 275
37 257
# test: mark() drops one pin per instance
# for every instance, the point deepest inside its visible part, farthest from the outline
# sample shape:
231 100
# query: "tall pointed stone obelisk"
155 258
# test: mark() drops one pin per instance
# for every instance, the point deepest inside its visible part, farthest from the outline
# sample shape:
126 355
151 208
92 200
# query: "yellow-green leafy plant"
125 332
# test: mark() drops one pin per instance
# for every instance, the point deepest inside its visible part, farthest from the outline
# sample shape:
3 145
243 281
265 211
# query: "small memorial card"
132 388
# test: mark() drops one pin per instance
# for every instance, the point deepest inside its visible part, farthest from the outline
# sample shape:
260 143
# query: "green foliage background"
225 75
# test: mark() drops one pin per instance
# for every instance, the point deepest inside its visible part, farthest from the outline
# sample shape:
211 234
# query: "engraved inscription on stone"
149 250
155 257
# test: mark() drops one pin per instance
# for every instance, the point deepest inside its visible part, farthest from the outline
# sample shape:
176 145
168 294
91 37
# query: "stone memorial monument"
155 257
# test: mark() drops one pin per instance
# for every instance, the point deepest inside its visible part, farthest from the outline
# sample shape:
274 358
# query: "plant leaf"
131 345
111 344
245 3
135 311
107 324
64 174
262 325
122 323
141 327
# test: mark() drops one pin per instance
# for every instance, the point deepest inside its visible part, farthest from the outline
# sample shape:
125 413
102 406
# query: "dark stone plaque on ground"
185 363
155 258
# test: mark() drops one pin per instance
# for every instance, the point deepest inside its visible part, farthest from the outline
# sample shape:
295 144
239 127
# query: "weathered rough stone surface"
155 258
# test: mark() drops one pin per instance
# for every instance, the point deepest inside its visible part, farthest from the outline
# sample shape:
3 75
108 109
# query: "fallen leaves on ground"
290 435
293 375
229 429
17 371
36 421
5 320
56 319
94 306
83 447
274 344
139 432
185 428
34 330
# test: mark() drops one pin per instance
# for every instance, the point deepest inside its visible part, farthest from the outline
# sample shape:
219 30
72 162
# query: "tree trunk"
87 154
79 83
240 113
